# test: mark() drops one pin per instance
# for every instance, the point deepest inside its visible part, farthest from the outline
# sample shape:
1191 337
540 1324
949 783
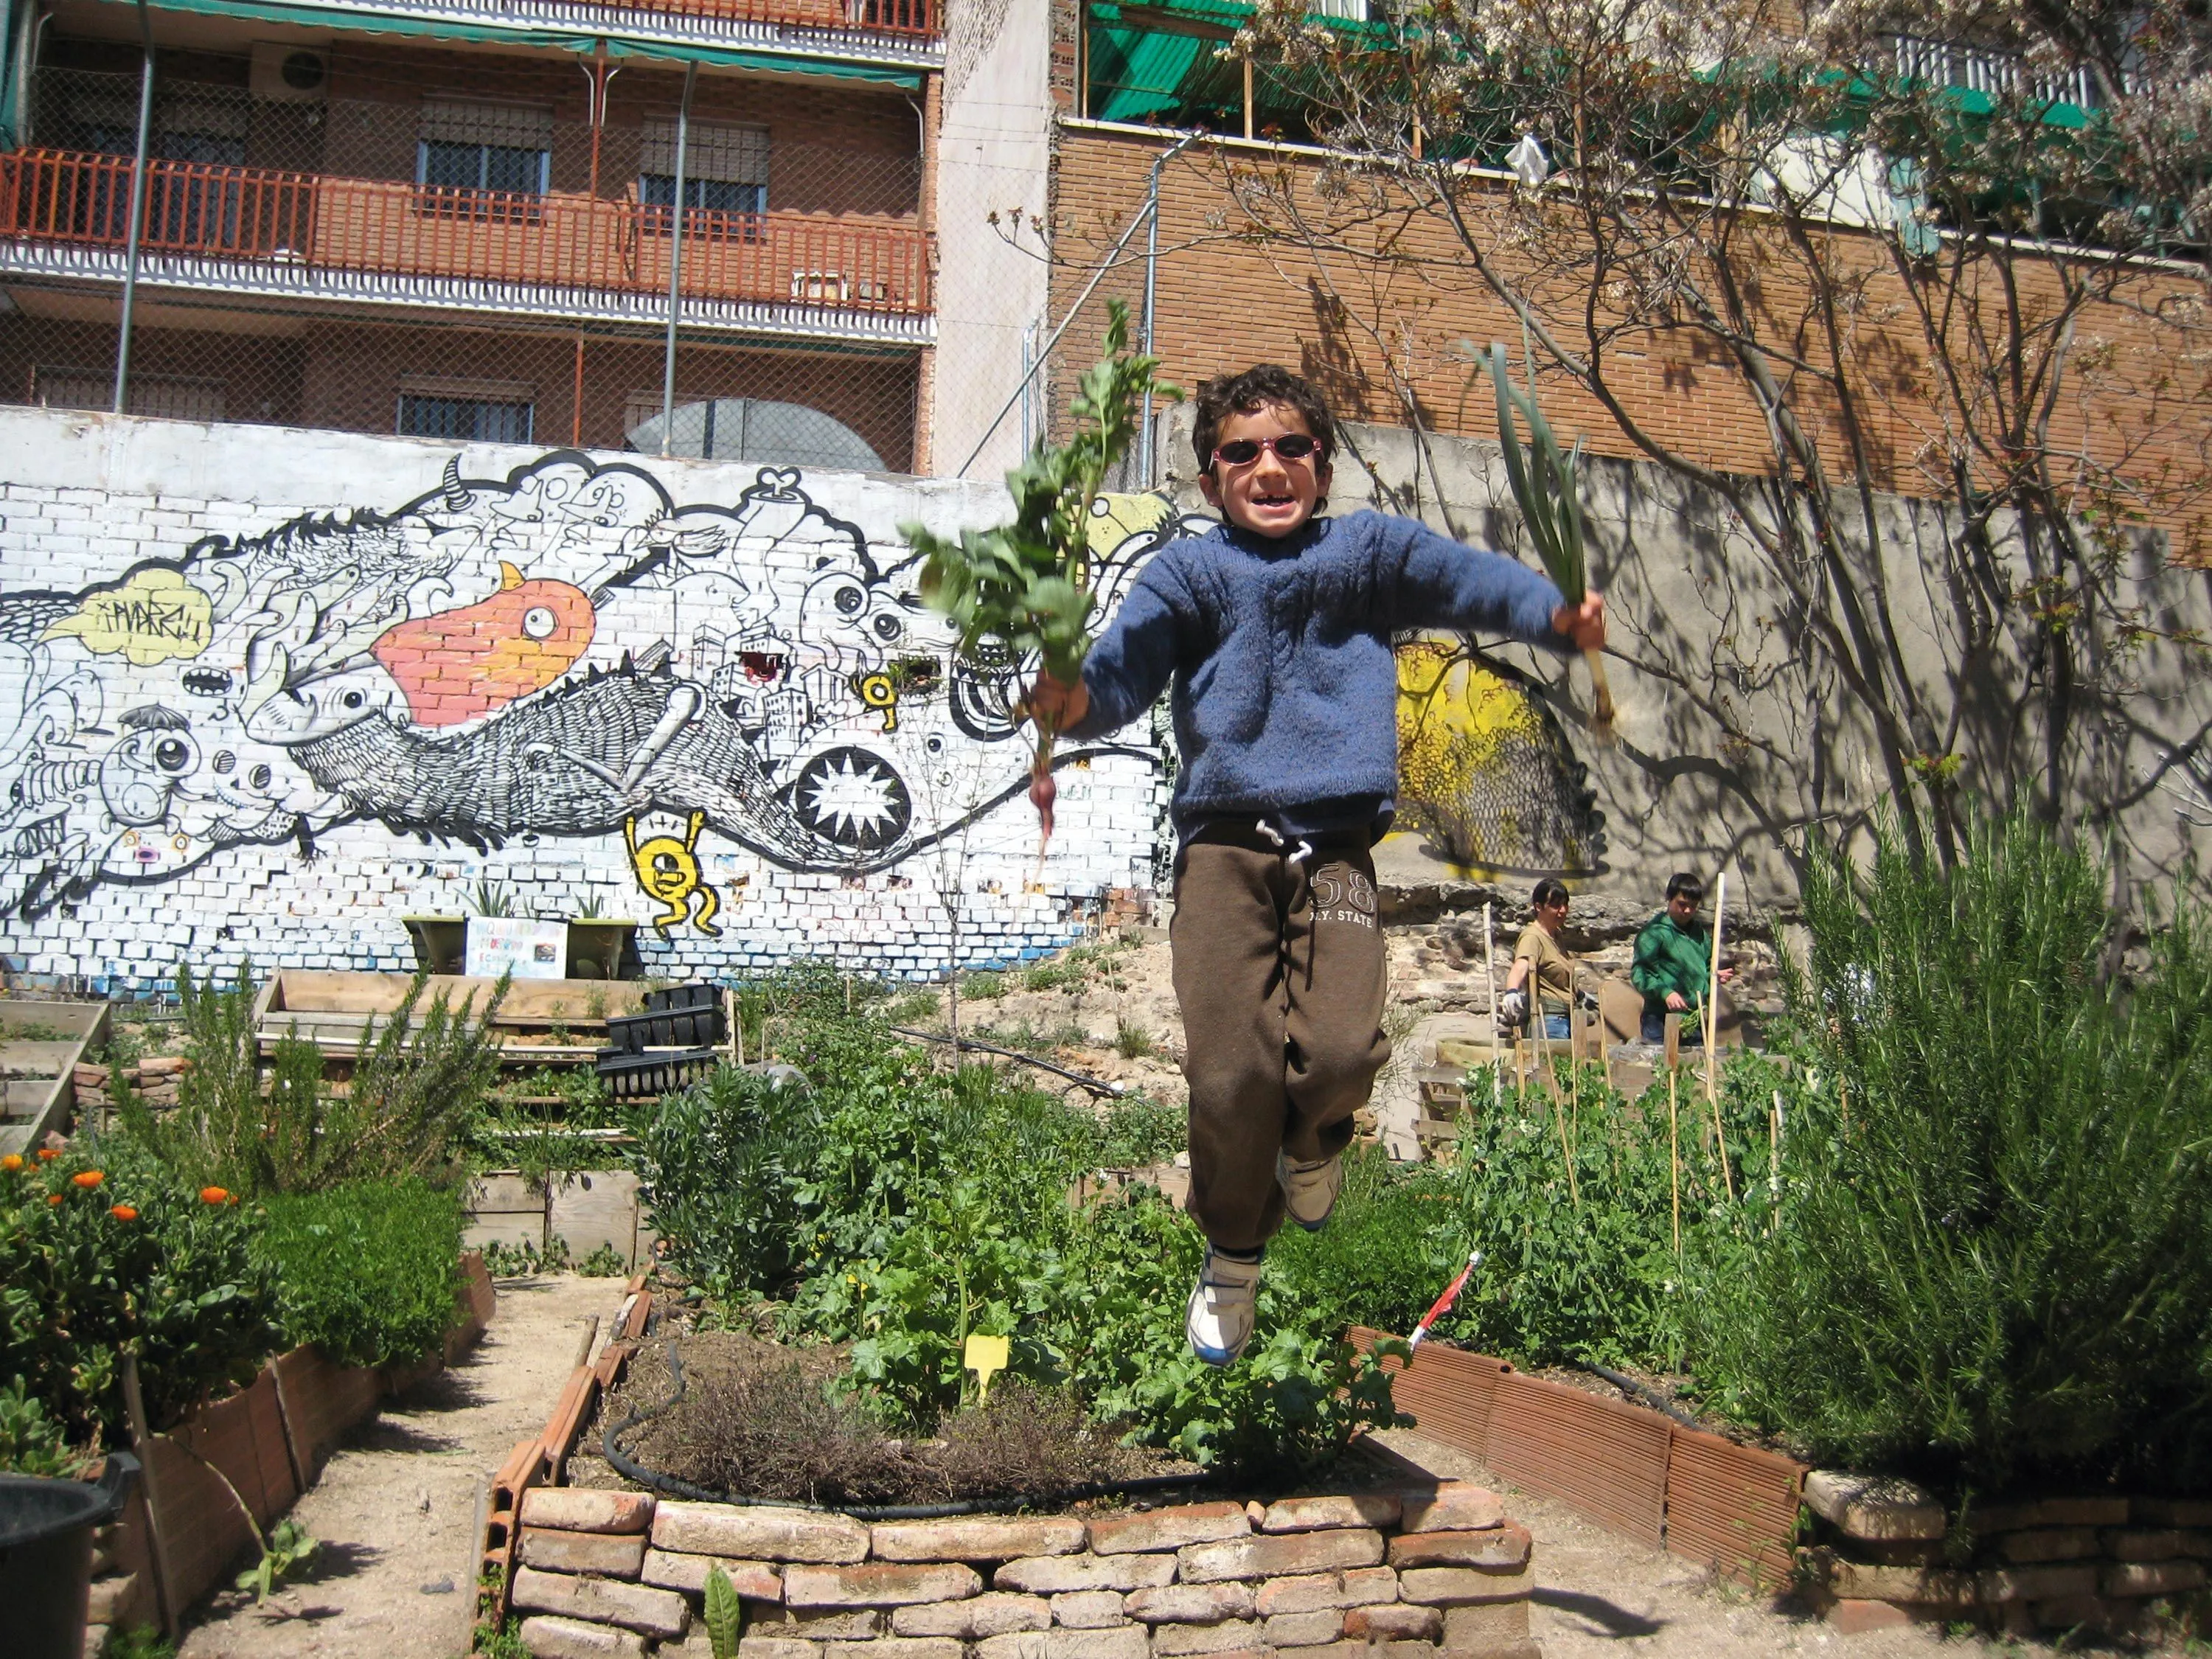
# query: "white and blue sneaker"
1309 1190
1219 1319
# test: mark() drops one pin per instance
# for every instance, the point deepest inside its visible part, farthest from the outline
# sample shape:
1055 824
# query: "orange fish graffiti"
459 664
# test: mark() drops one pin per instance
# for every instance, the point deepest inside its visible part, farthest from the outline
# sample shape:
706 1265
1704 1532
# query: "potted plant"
442 942
599 944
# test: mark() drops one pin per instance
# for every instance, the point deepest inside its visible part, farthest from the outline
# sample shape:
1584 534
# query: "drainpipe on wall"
137 209
1152 267
675 262
29 22
595 75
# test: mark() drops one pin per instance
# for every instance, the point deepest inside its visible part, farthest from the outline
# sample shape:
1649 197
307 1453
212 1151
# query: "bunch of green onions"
1547 488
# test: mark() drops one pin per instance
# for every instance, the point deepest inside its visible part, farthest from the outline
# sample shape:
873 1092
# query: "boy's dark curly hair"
1254 389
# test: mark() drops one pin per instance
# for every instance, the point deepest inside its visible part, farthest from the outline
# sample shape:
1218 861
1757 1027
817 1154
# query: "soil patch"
759 1419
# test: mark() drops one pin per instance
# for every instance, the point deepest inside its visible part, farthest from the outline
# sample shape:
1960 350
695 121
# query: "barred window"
725 168
502 147
474 411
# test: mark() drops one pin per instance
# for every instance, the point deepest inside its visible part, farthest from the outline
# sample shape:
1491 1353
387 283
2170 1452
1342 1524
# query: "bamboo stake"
1544 1059
1712 1037
1774 1163
1675 1155
1489 974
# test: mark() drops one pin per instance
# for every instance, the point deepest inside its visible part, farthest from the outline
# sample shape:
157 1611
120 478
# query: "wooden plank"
594 1208
203 1530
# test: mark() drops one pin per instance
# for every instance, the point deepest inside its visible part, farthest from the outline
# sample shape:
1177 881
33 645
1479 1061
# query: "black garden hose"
633 1470
1644 1391
1097 1086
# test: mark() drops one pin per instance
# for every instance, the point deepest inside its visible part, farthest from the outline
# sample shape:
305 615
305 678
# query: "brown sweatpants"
1280 969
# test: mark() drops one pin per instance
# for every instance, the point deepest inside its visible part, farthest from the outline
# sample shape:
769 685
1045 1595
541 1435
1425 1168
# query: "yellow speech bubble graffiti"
154 616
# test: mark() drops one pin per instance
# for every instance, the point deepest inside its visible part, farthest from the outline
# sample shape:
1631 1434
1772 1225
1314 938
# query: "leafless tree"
1948 253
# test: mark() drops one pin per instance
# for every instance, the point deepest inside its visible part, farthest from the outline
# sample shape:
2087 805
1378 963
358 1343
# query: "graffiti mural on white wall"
567 652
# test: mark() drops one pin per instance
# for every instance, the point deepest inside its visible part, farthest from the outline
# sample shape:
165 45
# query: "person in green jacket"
1673 957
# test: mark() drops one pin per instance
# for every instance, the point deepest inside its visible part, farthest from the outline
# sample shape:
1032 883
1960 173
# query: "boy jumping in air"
1276 630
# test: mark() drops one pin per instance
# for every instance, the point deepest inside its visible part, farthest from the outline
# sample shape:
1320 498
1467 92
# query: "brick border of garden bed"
1880 1553
269 1441
1410 1571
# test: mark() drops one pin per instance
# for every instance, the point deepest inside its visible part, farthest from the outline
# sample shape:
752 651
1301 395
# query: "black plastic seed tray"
644 1077
689 1028
678 998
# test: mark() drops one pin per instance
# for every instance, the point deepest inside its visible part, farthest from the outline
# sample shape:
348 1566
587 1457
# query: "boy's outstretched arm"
1127 670
1431 582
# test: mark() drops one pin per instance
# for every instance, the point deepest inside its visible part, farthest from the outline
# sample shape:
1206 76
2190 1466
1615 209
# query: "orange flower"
214 1195
12 1162
123 1211
53 1198
87 1179
47 1154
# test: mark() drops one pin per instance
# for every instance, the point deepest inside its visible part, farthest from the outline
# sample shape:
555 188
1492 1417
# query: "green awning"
307 16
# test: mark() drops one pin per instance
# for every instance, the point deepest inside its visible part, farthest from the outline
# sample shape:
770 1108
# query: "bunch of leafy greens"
1023 589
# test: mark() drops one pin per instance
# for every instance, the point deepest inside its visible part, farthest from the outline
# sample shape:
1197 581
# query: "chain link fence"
464 246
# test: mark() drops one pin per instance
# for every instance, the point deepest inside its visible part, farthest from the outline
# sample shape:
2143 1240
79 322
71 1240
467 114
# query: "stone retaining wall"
1884 1555
1402 1574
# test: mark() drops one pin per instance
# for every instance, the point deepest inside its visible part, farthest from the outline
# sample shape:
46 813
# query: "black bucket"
45 1555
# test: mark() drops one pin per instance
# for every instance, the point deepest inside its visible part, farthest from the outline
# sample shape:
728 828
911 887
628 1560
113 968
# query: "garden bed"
1372 1563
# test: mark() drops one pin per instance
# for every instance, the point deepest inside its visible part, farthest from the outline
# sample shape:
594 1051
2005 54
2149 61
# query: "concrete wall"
992 157
265 692
1730 741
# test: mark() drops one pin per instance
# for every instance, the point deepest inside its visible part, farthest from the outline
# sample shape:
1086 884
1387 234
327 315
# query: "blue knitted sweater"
1285 698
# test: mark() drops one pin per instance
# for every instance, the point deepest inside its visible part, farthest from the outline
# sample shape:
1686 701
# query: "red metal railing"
305 221
909 17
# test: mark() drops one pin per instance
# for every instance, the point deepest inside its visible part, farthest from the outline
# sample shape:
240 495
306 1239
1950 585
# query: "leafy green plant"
1547 489
101 1246
416 1085
1994 1248
525 1260
138 1642
285 1550
724 1615
604 1262
491 898
367 1271
31 1443
1024 588
985 985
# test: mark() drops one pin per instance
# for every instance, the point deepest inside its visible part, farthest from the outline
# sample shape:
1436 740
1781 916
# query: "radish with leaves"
1024 588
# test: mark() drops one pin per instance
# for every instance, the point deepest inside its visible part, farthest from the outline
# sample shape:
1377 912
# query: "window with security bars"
724 168
170 397
468 148
490 420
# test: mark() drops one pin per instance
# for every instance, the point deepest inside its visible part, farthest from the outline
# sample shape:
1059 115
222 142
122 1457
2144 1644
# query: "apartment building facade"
456 221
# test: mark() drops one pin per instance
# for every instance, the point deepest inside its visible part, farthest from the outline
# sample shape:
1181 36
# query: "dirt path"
393 1507
1600 1593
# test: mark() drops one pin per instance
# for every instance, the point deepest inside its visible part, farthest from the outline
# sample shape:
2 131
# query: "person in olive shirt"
1673 957
1542 971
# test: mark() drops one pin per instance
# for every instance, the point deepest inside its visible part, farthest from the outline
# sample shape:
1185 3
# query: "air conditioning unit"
287 74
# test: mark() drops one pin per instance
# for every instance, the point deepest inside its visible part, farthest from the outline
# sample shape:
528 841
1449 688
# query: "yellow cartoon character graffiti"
668 870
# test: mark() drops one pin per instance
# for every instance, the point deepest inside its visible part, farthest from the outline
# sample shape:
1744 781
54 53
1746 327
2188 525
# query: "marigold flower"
214 1195
12 1162
87 1179
123 1211
47 1154
53 1198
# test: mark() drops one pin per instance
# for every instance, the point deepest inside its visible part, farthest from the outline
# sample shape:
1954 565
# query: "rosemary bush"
1994 1265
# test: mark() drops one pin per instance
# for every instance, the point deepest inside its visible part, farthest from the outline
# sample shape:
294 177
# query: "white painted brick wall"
119 857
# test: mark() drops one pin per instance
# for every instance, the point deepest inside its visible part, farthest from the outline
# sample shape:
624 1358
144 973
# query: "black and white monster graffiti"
563 653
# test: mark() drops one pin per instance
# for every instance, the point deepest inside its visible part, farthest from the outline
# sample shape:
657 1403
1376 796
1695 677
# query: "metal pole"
1152 267
137 210
675 264
1045 356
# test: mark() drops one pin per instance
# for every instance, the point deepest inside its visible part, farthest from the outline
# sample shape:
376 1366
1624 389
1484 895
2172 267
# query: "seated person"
1673 959
1541 969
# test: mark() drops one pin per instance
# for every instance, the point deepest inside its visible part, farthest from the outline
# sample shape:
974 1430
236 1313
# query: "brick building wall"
479 643
1374 325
